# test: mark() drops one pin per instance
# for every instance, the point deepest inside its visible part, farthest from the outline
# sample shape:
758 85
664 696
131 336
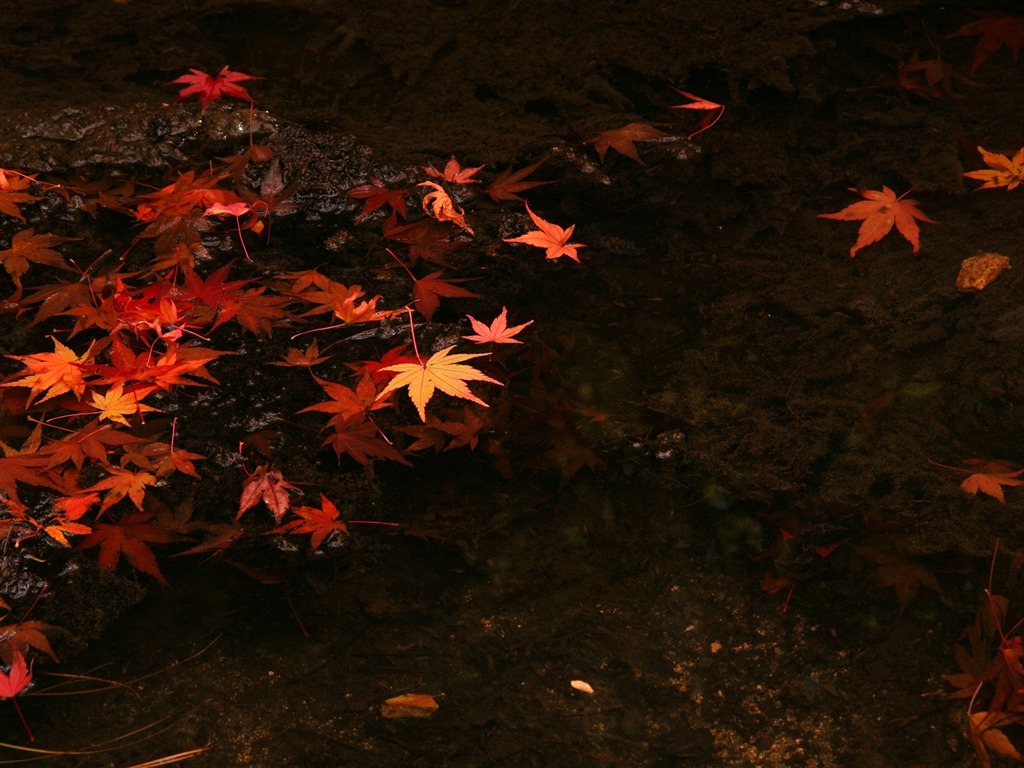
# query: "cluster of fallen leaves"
991 676
932 78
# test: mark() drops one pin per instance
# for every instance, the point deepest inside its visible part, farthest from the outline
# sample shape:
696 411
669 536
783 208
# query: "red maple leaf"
129 537
320 521
16 679
879 212
427 292
509 182
715 111
226 83
268 485
361 439
621 140
28 247
996 29
375 194
551 237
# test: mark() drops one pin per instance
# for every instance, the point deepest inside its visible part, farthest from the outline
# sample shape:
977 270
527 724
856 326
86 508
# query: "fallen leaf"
442 371
268 485
582 685
427 292
208 87
320 521
622 140
715 111
28 247
439 205
418 705
129 537
453 172
509 182
11 185
990 475
996 29
497 332
551 237
16 679
879 212
375 194
1002 170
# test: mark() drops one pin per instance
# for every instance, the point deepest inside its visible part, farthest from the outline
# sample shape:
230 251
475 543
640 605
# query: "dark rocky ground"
758 380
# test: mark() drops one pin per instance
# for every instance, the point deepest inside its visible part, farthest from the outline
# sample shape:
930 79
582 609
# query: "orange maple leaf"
376 194
996 29
1002 170
18 638
123 482
453 172
442 371
551 237
497 332
27 246
320 522
346 402
11 185
879 212
439 205
297 358
621 140
54 372
988 476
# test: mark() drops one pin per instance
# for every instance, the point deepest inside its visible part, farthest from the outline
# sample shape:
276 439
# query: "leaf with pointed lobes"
209 87
497 332
551 237
622 140
879 211
442 371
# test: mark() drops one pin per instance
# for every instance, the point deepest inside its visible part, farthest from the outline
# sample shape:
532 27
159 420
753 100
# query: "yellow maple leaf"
115 403
442 371
1002 170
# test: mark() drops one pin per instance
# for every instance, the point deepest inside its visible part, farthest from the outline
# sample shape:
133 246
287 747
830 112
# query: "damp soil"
762 396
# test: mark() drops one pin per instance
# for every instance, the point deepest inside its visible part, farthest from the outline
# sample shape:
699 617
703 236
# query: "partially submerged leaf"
622 140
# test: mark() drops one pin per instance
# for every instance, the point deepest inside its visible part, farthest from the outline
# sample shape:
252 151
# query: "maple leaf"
375 194
427 239
551 237
115 403
622 140
453 172
302 358
178 199
54 372
426 292
374 367
26 247
89 442
129 537
18 638
226 83
1002 170
442 371
11 185
989 476
67 510
329 296
714 109
509 182
996 29
346 402
16 679
497 332
905 576
268 485
123 482
921 77
320 521
438 204
361 439
879 212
